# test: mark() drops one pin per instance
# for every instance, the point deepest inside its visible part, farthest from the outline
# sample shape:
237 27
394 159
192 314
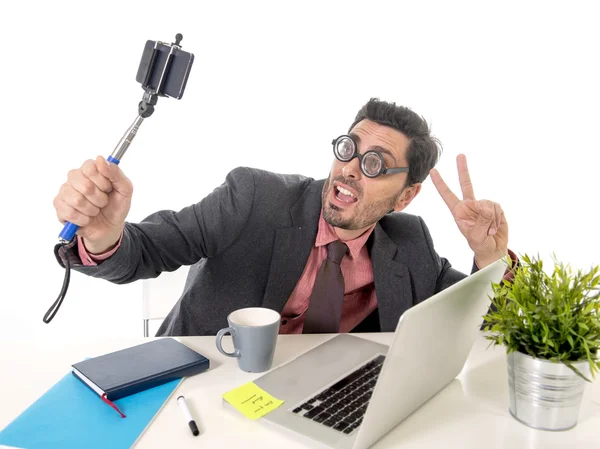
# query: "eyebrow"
377 148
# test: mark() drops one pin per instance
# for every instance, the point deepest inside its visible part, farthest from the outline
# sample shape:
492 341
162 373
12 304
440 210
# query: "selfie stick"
145 110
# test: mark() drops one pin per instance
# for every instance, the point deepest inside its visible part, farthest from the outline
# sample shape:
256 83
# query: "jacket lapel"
292 247
391 277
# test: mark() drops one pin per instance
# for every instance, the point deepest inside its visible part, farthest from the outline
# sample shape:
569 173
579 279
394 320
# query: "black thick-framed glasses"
371 163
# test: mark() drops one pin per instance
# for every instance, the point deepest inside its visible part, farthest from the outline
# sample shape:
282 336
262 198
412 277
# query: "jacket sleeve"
166 240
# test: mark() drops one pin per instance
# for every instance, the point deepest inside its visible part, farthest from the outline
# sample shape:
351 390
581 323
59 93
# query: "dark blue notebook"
138 368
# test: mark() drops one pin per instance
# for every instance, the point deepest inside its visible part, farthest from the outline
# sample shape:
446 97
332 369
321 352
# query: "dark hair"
423 149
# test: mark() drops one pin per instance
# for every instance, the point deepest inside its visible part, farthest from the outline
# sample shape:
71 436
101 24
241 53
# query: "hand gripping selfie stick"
163 72
146 108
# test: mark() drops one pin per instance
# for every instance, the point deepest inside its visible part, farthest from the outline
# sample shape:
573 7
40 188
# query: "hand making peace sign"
482 222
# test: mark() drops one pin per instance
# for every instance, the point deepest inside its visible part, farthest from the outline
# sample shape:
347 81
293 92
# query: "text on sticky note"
252 400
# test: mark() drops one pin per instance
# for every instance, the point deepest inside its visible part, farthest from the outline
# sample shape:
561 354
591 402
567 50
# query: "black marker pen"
188 415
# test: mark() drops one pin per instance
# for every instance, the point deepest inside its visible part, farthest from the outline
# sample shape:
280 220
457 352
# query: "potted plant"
550 325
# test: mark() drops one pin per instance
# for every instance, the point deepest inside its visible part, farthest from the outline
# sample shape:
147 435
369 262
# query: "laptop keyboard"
343 405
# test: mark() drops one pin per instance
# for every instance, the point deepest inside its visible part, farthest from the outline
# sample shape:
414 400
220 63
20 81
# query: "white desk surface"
471 412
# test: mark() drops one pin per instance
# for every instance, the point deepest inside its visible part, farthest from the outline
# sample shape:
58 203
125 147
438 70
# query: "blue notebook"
71 415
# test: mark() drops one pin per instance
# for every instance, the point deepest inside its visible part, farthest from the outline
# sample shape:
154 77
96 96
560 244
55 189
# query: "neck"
349 234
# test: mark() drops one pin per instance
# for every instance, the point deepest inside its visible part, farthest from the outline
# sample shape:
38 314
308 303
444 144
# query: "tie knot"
336 251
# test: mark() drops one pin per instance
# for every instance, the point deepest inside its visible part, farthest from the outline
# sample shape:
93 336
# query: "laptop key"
335 408
351 407
322 417
355 395
328 403
347 381
345 411
336 397
354 416
360 401
370 365
330 422
340 416
325 394
341 426
314 412
298 410
345 401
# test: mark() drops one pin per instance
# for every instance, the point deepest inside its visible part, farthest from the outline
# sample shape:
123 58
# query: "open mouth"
344 195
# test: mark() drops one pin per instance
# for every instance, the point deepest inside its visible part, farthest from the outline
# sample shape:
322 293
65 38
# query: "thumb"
120 183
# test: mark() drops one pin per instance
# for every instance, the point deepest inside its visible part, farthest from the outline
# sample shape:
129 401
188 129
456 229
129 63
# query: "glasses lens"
372 164
344 149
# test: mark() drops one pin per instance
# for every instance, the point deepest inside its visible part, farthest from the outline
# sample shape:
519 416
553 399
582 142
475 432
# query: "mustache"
349 182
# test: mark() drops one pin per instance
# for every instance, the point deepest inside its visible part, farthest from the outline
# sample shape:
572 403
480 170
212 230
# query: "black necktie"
325 308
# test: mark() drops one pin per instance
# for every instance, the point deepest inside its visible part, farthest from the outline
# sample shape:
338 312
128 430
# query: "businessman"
332 255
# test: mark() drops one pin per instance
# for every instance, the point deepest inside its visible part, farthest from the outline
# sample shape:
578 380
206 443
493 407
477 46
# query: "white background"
513 85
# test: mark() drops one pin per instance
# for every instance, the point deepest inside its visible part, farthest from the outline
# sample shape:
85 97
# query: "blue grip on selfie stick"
69 229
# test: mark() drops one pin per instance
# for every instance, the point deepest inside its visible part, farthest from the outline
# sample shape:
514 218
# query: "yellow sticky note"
252 400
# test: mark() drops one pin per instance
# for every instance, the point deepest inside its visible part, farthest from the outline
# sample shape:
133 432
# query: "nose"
352 169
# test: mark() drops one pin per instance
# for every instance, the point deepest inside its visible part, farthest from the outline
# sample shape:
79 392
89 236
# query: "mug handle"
220 335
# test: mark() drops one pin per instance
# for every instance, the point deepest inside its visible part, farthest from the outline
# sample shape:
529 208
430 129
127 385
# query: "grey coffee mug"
254 332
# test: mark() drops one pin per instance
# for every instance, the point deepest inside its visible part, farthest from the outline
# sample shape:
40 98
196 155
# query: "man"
264 239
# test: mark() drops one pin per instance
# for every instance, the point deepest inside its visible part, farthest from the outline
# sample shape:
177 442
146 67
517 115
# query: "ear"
407 195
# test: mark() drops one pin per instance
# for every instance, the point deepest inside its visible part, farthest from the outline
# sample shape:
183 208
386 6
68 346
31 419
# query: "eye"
372 164
345 148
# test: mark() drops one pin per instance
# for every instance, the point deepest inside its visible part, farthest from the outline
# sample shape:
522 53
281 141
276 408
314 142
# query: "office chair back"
160 294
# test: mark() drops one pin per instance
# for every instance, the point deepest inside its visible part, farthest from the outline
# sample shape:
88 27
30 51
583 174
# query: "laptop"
349 392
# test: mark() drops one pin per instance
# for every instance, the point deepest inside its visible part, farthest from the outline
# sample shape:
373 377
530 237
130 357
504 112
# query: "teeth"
345 192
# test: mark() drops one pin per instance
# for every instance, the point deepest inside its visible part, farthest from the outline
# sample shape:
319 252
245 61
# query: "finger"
485 220
76 200
86 187
495 222
464 178
90 171
65 213
449 198
120 182
498 219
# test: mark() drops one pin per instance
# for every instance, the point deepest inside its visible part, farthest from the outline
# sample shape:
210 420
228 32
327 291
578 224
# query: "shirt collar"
326 234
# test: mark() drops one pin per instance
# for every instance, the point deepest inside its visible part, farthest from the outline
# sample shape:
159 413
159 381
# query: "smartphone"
164 68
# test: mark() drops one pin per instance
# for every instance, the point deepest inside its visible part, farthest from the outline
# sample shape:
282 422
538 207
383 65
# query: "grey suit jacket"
248 242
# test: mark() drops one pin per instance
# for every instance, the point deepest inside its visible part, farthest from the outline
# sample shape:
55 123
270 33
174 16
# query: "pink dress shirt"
359 295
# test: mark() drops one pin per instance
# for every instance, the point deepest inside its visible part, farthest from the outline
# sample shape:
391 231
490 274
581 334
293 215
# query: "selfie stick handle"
145 109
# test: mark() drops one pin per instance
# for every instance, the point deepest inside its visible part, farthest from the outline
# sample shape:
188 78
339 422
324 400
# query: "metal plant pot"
545 395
